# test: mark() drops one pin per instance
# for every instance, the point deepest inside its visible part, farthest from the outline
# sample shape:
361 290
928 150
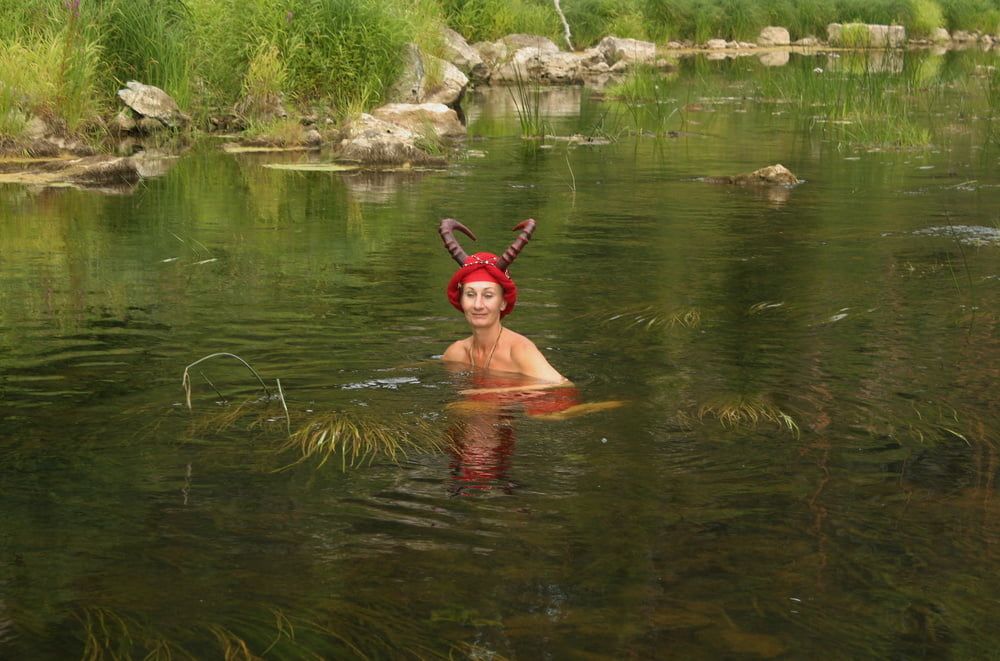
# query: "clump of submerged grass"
649 317
741 411
108 635
360 439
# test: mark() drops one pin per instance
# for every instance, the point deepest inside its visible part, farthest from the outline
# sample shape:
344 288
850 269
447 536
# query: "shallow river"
792 448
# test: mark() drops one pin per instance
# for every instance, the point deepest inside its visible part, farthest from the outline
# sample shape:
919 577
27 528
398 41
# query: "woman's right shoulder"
457 352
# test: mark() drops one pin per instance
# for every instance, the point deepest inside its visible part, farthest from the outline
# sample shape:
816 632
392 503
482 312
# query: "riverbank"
293 79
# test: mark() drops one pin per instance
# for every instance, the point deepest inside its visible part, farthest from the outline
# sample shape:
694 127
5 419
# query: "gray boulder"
617 49
428 79
373 141
153 103
419 118
873 36
462 55
774 36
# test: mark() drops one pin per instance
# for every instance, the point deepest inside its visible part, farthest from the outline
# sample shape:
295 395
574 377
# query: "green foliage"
981 15
264 82
592 20
345 51
925 16
146 40
854 35
54 78
488 20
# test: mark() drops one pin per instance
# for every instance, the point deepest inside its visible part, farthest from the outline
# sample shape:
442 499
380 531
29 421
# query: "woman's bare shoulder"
457 352
529 360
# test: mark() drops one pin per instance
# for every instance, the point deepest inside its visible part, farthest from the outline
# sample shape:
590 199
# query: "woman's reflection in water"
484 436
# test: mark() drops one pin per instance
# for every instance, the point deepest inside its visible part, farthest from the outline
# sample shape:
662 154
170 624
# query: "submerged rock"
772 175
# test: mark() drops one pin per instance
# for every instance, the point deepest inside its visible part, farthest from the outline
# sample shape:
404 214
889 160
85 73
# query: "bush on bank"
64 59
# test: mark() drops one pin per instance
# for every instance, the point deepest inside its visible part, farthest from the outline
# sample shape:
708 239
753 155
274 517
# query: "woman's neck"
484 345
486 337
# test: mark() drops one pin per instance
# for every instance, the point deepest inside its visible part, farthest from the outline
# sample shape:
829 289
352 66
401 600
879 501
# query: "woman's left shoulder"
519 342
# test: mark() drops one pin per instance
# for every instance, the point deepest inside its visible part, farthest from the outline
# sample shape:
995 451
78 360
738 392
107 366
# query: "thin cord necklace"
472 355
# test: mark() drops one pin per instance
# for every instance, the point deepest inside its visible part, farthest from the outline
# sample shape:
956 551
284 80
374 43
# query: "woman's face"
482 303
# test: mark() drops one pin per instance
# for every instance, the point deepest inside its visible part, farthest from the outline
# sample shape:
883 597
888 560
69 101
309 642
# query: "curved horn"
449 225
511 253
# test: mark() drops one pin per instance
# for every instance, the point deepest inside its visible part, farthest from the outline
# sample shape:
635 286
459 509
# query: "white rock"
774 36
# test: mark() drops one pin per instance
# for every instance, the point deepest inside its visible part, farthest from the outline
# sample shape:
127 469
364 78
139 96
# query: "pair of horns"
449 225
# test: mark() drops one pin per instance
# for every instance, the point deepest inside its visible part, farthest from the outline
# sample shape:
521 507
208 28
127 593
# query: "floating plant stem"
186 378
288 419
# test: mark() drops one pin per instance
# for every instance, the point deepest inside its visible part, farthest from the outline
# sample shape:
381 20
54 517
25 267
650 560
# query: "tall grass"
146 40
346 52
488 20
527 98
54 77
860 103
647 99
592 20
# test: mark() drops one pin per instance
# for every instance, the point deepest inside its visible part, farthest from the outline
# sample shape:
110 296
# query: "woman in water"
482 290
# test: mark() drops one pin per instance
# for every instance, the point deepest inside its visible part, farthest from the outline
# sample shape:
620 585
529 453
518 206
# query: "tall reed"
147 40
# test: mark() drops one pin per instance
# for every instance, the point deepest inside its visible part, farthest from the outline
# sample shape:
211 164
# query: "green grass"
861 103
146 40
488 20
64 60
649 99
527 98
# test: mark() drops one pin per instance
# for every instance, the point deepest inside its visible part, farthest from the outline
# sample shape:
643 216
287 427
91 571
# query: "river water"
791 445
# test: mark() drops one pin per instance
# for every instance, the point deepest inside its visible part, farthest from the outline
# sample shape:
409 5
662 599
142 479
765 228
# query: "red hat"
483 266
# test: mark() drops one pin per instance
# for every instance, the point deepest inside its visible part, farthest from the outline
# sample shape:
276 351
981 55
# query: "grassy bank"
64 60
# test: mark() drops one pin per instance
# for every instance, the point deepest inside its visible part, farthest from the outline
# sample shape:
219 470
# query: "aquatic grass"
645 96
864 99
109 635
649 317
527 98
186 376
747 412
359 439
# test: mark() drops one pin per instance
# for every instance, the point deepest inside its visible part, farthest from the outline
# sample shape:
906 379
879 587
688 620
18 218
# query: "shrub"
925 16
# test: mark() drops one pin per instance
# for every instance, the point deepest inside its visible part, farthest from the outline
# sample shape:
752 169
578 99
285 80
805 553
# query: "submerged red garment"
534 402
470 272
